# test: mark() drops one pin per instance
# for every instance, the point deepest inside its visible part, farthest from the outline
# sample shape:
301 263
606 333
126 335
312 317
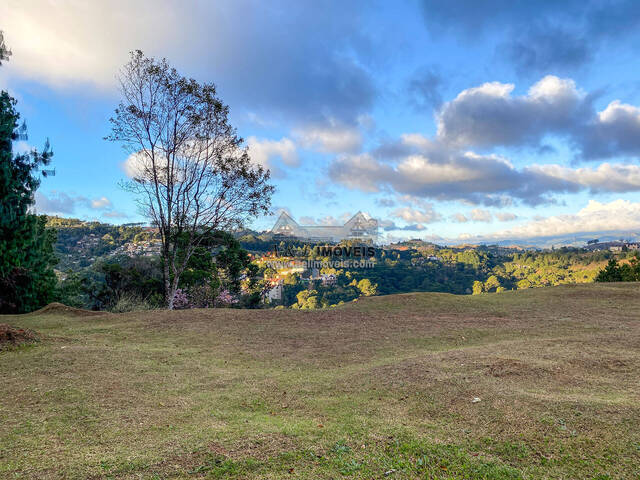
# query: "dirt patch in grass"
508 367
214 458
13 336
56 308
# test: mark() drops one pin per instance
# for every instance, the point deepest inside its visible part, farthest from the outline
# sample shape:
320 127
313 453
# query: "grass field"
381 388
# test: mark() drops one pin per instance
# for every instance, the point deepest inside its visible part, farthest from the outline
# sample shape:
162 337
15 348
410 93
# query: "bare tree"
192 174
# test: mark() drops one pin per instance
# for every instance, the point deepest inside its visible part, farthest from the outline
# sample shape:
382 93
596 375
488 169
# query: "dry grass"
384 385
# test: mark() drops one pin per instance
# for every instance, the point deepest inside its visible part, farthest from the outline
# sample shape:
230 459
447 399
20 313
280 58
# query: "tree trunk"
169 292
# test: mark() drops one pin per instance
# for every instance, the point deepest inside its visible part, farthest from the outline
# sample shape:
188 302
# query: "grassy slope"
382 385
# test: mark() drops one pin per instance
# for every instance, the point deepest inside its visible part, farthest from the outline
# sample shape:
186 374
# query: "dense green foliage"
80 243
222 264
418 266
615 272
218 265
27 279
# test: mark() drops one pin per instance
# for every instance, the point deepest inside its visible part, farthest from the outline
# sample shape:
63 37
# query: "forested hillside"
102 266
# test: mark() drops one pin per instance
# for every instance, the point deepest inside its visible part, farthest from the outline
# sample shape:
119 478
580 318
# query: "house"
275 292
328 279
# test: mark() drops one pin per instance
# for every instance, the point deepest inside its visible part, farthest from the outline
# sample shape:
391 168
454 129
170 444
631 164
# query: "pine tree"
27 279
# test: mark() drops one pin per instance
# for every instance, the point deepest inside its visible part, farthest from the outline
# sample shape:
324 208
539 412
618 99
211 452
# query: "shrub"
225 299
181 300
130 303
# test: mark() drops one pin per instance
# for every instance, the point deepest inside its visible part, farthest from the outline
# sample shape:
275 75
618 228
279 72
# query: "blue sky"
448 121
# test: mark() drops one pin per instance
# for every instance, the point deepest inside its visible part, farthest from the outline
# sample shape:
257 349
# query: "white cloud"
506 216
614 132
488 115
61 202
264 151
481 215
443 174
618 215
71 42
333 137
100 203
296 73
134 165
605 178
414 215
418 167
390 226
56 202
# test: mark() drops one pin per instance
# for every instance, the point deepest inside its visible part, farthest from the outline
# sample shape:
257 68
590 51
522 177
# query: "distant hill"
80 242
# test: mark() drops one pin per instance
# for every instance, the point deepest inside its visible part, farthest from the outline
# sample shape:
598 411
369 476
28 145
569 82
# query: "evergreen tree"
610 273
27 279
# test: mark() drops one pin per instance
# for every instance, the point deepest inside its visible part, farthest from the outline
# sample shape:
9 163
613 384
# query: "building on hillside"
359 227
328 279
275 292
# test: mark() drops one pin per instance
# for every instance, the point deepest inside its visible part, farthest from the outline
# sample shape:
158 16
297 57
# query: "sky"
458 121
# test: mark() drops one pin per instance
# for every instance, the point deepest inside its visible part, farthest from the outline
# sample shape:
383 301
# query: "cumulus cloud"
489 116
61 202
100 203
506 216
264 151
613 132
415 227
56 202
618 215
459 218
391 226
426 168
385 202
66 43
134 165
605 178
424 215
487 179
481 215
332 137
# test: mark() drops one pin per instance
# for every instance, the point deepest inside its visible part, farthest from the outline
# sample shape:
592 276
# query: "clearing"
382 388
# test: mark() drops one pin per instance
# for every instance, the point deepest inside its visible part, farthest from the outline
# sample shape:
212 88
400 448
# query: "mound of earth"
15 336
59 308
